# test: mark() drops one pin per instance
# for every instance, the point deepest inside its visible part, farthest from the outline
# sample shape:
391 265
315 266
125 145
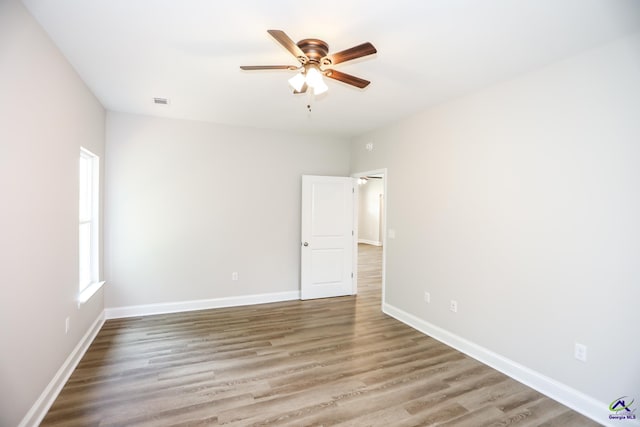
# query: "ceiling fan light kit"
310 76
315 63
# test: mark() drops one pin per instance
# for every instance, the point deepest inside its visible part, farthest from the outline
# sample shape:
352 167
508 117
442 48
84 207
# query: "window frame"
88 215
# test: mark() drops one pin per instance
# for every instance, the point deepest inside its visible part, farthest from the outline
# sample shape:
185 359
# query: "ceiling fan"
315 62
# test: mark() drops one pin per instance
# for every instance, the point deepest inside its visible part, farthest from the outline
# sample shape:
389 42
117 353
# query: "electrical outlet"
67 323
427 297
453 306
234 276
580 352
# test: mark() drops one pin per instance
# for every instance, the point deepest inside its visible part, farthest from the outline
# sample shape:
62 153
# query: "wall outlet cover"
453 306
580 352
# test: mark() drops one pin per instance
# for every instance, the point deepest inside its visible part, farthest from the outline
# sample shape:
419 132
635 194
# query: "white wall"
188 203
369 213
46 114
522 202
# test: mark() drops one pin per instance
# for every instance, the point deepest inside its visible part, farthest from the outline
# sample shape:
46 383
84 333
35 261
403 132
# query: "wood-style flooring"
330 362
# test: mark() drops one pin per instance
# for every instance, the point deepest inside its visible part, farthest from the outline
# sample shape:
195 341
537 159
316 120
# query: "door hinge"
352 275
352 233
353 190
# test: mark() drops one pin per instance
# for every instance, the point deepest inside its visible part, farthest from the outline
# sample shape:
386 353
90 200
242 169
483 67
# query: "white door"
327 236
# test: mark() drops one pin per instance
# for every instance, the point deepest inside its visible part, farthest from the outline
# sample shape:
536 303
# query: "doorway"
370 238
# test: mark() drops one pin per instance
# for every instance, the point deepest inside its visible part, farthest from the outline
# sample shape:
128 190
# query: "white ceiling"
129 51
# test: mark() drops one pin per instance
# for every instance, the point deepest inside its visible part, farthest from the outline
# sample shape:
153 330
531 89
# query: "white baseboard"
574 399
176 307
39 409
369 242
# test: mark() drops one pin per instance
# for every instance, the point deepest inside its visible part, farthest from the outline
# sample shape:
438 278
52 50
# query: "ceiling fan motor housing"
315 49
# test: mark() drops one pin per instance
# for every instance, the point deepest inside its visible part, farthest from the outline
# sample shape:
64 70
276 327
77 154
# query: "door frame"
356 213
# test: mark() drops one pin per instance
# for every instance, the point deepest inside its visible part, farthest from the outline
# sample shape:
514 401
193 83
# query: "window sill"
88 292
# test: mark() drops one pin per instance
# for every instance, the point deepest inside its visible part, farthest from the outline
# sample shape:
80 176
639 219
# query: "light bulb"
297 82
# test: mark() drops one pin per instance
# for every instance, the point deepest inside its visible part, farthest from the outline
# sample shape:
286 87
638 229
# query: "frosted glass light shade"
313 77
297 81
320 87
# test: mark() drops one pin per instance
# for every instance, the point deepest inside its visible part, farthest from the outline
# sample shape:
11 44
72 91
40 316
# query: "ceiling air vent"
161 101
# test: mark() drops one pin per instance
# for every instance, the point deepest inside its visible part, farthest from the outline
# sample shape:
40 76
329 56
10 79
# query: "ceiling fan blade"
347 78
355 52
288 44
267 67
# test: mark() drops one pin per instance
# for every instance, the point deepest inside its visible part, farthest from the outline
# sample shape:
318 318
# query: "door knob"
306 243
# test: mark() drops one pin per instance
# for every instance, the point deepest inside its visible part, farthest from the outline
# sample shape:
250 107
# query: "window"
89 230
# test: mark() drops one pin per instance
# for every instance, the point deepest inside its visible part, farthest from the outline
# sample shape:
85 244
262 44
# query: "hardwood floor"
331 362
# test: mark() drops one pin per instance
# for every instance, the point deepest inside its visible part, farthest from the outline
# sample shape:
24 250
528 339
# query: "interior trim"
205 304
40 408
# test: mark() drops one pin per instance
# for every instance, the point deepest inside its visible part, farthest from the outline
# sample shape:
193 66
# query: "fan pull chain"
310 97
